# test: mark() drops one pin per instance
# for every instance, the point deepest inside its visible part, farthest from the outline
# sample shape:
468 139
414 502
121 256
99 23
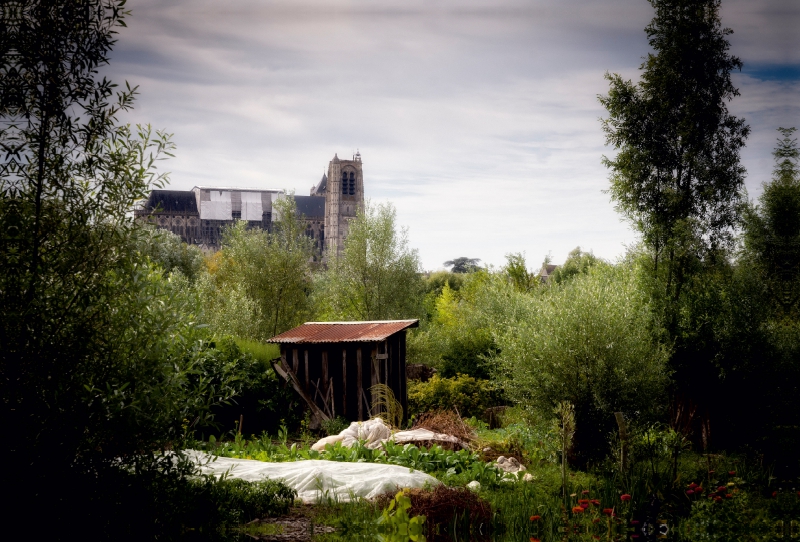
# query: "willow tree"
677 174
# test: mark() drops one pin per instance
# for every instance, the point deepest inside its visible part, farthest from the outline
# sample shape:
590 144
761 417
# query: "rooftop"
336 332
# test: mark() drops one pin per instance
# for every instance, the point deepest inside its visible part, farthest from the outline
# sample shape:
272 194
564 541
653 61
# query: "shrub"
335 426
470 396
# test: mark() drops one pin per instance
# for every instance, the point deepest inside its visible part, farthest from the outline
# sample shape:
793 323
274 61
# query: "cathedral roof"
171 201
322 184
310 205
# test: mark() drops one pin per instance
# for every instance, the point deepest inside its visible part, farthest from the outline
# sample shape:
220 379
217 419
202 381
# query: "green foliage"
577 263
167 251
385 405
258 285
377 276
518 274
469 395
587 341
215 504
463 265
335 426
455 468
263 352
676 174
262 399
395 525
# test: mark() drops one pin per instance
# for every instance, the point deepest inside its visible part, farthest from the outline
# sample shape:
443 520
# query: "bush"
335 426
470 396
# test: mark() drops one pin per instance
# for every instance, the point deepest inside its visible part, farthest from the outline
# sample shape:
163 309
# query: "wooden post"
359 384
344 382
295 361
325 371
306 356
376 368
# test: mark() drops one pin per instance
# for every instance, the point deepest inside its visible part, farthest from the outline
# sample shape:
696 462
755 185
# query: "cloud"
477 119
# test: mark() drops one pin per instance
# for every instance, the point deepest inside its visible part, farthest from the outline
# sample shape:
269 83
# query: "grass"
263 352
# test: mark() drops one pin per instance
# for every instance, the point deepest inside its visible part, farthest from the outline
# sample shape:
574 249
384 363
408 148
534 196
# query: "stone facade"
199 215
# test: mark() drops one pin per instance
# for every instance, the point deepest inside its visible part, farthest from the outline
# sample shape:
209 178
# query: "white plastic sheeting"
316 480
251 206
219 208
375 431
372 432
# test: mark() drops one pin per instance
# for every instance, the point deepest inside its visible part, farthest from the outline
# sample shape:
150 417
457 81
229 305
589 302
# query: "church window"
352 183
344 182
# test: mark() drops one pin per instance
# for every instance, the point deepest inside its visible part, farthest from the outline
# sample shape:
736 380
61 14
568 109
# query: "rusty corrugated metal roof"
337 332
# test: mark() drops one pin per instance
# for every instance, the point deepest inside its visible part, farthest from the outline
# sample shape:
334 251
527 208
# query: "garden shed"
333 365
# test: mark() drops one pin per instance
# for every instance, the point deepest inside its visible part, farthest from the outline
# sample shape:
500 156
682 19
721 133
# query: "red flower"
583 501
774 493
535 518
689 492
693 485
534 539
722 488
595 502
728 496
698 489
585 492
608 511
717 498
625 497
634 522
732 472
596 520
577 510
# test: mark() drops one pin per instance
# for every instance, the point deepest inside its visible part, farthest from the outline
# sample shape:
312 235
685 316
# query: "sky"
478 120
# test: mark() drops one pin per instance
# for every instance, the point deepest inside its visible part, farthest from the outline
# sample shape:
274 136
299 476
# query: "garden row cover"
316 480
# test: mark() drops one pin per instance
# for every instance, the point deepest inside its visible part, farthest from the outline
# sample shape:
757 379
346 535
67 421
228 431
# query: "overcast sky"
477 119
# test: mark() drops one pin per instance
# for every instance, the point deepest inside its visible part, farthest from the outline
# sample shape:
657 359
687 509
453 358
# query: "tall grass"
263 352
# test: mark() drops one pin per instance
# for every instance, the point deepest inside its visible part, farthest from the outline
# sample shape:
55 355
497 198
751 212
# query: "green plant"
335 426
564 424
470 396
385 405
395 525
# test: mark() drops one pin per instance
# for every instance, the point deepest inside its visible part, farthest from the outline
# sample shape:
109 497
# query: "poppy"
722 488
732 472
535 518
717 498
689 492
728 496
693 485
534 539
608 511
577 510
583 501
595 502
625 497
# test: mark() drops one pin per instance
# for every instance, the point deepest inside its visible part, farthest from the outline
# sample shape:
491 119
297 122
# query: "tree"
518 274
676 175
587 341
101 358
260 281
377 277
463 264
577 263
772 233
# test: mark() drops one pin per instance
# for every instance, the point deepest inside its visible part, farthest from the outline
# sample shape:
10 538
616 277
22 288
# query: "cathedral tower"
344 195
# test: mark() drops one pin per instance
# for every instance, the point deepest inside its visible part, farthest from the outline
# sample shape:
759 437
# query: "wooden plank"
284 371
306 356
375 367
344 382
359 382
295 361
325 370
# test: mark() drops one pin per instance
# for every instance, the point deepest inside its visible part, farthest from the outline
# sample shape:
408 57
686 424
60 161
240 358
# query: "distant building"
199 215
547 271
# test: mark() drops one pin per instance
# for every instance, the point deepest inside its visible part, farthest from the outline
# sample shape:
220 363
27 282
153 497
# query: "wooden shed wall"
337 376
